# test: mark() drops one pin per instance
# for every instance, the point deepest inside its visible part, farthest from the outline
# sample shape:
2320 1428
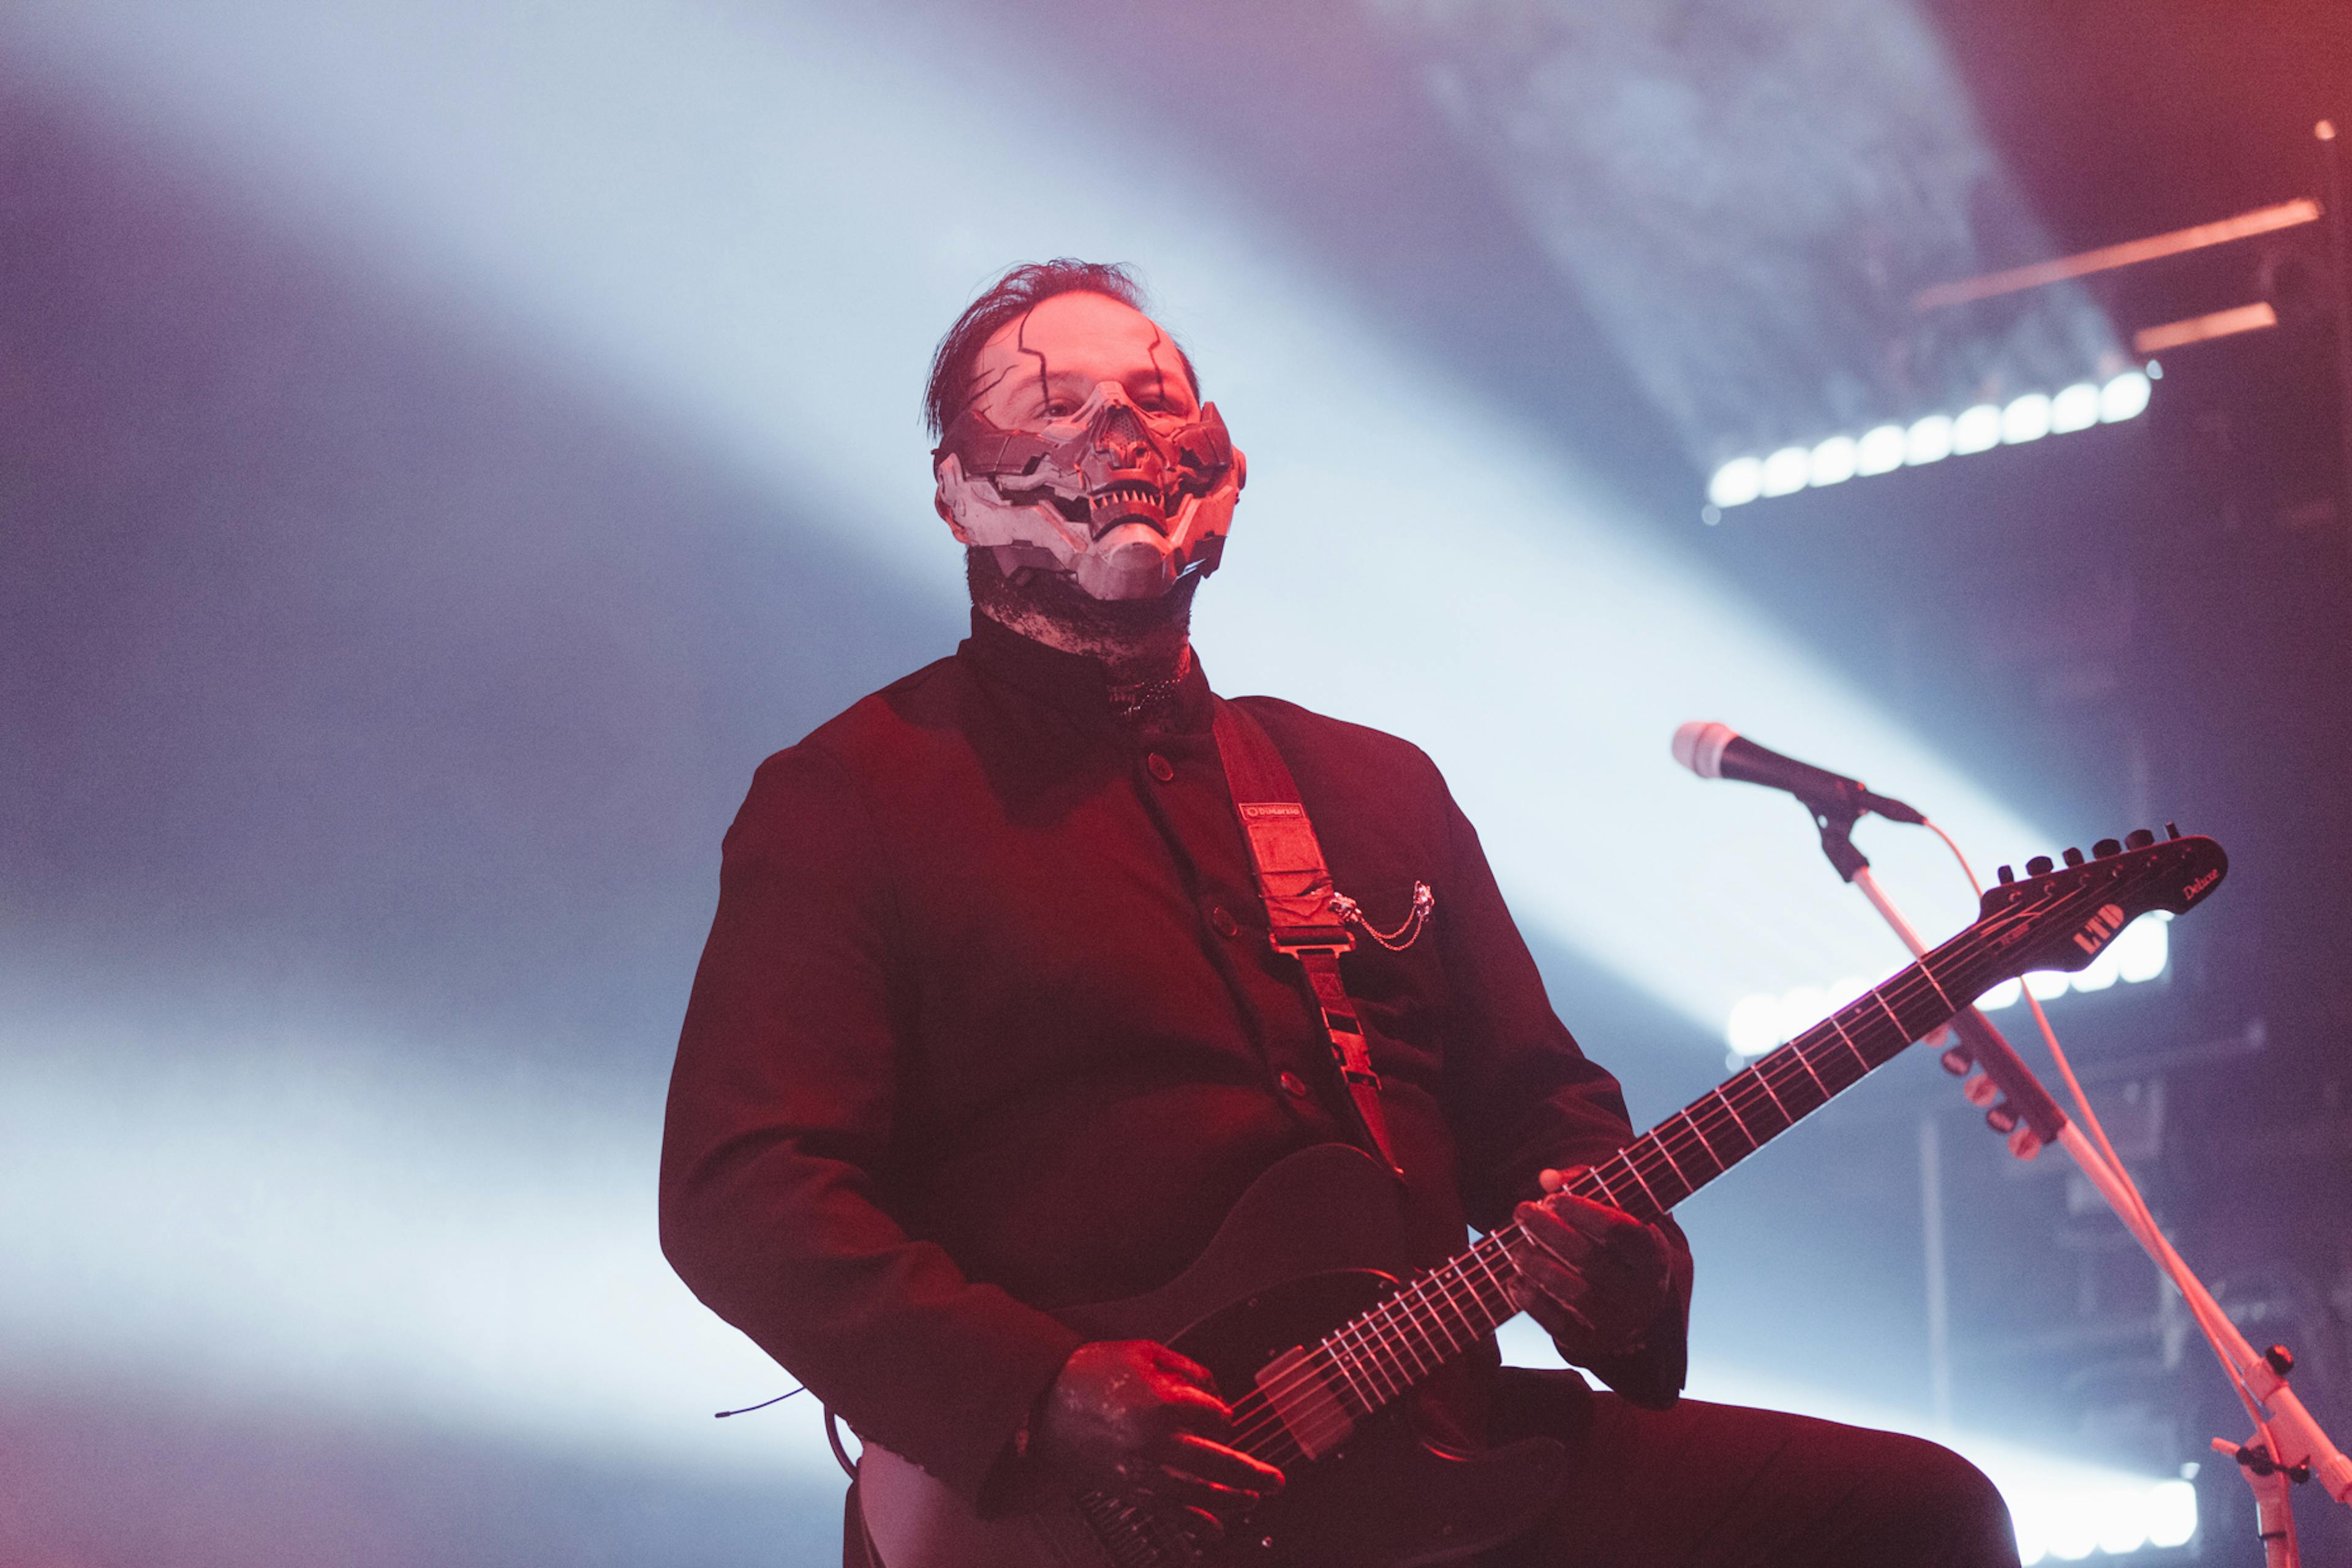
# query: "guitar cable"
723 1414
2136 1214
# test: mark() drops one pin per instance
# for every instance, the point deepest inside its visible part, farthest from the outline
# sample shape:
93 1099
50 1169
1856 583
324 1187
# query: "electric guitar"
1298 1309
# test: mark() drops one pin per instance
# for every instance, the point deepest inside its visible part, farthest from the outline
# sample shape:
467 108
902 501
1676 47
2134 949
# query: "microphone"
1720 751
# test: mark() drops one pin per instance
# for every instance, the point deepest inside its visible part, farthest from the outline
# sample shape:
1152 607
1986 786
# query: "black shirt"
988 1023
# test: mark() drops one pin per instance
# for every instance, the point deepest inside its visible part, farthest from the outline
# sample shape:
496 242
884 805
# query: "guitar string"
1667 1141
1418 1310
1389 1336
1498 1309
1387 1331
1963 949
1390 1328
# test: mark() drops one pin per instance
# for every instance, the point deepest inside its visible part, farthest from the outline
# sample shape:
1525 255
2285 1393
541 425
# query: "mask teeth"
1129 498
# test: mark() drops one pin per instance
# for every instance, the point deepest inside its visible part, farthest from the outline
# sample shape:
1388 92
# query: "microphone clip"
1836 819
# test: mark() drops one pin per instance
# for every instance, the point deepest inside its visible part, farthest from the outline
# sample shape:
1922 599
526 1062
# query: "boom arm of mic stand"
1985 1045
2298 1438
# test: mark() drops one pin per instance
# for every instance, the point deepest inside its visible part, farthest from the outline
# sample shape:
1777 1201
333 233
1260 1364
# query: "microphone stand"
2288 1444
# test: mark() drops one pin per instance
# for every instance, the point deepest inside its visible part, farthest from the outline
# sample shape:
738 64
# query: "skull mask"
1124 500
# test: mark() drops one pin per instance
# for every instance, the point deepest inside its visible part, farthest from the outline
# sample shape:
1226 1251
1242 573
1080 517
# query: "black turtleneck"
988 1025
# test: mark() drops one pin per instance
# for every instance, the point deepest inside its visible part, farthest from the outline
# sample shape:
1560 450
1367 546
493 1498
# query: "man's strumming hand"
1132 1416
1593 1276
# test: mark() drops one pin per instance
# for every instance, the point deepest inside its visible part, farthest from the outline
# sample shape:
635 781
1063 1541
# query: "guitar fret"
1424 1312
1626 1158
1721 1164
1347 1373
1754 1142
1798 1051
1380 1359
1950 1005
1369 1359
1488 1264
1493 1297
1401 1314
1435 1309
1443 1277
1335 1345
1376 1361
1502 1289
1471 1308
1402 1345
1594 1172
1689 1187
1899 1029
1439 1308
1849 1038
1758 1074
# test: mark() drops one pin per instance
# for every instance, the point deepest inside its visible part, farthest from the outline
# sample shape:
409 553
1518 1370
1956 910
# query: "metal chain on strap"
1408 931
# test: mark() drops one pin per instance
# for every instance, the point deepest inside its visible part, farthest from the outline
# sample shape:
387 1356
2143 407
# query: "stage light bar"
2068 1524
2253 318
2064 1509
2265 220
1760 1022
1882 449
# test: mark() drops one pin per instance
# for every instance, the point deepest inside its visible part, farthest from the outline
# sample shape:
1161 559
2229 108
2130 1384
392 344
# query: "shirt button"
1161 768
1224 924
1293 1085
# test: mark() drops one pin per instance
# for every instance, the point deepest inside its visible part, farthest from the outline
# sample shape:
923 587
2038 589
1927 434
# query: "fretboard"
1375 1357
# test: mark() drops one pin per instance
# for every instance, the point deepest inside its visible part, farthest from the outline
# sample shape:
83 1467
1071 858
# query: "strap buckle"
1296 940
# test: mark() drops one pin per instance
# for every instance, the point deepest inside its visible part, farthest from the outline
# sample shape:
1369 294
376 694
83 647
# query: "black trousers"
1721 1486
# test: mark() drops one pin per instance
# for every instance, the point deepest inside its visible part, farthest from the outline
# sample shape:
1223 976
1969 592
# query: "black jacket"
988 1023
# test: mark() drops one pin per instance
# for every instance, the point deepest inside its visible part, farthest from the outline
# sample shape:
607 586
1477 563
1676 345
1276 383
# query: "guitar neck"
1382 1354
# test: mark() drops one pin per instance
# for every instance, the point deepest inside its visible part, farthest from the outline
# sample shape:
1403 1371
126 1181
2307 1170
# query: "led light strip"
1759 1024
2064 1509
1887 447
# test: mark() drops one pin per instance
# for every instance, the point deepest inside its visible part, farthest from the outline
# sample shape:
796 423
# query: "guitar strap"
1302 919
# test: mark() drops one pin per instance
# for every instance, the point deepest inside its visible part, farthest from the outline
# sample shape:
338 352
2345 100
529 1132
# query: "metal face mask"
1126 501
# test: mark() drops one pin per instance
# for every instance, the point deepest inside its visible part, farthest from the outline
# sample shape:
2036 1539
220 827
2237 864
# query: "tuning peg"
2008 875
2001 1118
2171 830
2104 847
1957 1061
2024 1142
2040 866
1980 1090
2138 838
2074 855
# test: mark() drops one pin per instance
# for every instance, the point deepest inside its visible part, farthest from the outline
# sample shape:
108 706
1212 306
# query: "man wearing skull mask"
989 1027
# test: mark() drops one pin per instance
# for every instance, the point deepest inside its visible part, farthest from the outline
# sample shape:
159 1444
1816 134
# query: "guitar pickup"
1306 1395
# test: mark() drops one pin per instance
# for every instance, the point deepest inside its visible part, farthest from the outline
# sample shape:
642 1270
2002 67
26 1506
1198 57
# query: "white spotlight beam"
756 223
313 1219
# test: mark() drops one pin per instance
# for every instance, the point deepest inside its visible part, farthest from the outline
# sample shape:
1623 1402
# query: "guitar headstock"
2062 917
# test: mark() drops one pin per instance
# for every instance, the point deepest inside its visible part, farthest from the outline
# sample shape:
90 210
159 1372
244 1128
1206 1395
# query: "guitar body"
1317 1240
1313 1242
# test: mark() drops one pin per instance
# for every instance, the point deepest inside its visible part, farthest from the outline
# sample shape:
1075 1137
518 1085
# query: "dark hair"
1019 291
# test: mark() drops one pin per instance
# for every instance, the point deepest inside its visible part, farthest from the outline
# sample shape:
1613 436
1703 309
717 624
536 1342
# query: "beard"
1130 635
